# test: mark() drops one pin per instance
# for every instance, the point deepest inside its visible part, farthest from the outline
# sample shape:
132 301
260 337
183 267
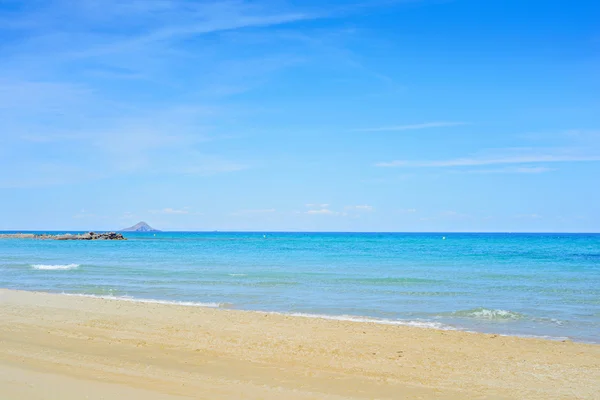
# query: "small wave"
488 314
237 274
494 315
545 337
54 267
152 301
98 291
351 318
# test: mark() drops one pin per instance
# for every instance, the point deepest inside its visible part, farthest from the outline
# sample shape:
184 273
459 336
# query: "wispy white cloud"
364 207
323 205
399 128
407 211
507 170
208 26
149 35
506 156
322 211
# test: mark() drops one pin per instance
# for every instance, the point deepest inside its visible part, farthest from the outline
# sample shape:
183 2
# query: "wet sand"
68 347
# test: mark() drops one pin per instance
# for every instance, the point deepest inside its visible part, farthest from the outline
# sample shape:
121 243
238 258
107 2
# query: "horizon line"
283 231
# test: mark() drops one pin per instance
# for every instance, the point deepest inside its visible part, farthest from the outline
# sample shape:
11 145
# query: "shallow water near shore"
519 284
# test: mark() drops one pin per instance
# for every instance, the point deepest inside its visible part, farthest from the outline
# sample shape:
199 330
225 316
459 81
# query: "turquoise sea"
519 284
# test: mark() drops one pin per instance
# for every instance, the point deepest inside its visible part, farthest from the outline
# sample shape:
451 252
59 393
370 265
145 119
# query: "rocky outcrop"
66 236
91 236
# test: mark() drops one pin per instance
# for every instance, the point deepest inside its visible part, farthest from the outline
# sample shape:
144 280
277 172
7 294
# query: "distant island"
140 227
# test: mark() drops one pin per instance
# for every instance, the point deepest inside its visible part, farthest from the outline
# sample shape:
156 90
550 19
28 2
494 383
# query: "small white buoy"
443 237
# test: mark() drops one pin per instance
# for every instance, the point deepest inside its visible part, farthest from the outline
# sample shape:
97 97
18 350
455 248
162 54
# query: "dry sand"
64 347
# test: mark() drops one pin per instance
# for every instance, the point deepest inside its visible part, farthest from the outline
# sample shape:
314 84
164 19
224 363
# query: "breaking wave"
351 318
488 314
57 267
152 301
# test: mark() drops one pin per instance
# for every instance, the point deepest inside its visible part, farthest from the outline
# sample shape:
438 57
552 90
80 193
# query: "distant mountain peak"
140 227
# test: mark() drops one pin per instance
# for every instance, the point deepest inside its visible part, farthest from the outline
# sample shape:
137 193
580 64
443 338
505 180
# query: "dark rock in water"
87 236
140 227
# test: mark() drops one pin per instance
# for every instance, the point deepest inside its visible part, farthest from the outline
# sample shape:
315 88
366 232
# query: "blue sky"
457 115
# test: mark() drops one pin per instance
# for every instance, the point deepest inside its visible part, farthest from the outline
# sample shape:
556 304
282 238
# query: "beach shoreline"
418 323
69 345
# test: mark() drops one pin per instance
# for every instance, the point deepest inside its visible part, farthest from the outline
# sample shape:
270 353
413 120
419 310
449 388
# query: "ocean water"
518 284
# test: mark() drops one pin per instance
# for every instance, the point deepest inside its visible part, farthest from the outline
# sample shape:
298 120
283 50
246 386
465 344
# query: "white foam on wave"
151 301
420 324
489 314
59 267
352 318
544 337
498 315
237 274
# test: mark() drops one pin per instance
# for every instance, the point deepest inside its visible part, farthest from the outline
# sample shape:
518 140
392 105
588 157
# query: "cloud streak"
322 211
179 32
364 207
323 205
507 170
523 158
407 211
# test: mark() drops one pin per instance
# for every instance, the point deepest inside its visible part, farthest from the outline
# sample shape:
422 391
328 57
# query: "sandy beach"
67 347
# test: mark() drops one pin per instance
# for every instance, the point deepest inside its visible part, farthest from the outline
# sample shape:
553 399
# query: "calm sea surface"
518 284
